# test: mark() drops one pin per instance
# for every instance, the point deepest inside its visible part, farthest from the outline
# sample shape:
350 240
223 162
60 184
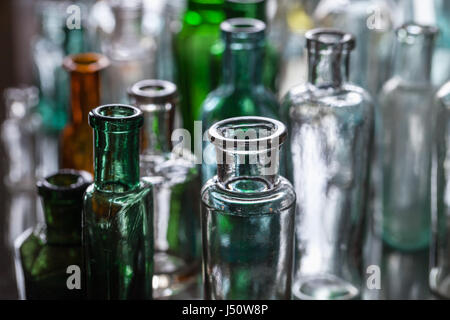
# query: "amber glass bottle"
76 139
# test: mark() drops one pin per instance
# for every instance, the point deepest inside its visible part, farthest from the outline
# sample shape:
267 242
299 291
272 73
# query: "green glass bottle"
44 253
192 51
255 9
118 210
241 92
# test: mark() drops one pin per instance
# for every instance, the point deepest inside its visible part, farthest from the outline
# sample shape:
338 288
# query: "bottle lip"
116 118
153 91
277 136
324 38
243 27
409 31
88 62
65 182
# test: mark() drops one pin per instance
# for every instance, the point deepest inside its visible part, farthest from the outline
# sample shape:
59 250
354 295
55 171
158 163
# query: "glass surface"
193 44
118 210
44 253
331 125
440 248
76 140
248 214
174 177
406 107
241 92
372 23
131 51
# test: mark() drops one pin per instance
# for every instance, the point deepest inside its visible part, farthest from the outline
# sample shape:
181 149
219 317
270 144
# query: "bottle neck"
116 160
157 129
414 62
85 95
128 23
328 68
246 9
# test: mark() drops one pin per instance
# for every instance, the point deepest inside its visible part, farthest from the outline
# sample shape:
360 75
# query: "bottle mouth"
323 39
116 118
243 30
248 135
411 32
153 92
66 182
89 62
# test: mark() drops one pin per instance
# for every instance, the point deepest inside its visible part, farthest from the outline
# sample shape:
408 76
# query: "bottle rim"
89 62
243 27
116 118
153 91
64 182
324 38
409 31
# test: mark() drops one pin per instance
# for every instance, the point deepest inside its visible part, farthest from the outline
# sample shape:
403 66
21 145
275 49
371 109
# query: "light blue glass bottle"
331 127
406 104
248 213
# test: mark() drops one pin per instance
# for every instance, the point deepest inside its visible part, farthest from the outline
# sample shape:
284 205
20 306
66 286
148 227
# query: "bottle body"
440 262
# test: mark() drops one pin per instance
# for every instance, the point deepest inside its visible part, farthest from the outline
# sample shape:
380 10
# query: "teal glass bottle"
406 104
255 9
241 92
248 213
44 253
193 44
118 210
173 174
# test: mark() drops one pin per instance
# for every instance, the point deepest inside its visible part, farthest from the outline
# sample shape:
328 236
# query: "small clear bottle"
118 210
440 259
331 124
248 213
174 177
406 105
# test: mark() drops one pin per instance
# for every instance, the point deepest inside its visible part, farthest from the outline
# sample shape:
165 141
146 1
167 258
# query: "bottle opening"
152 91
410 32
86 62
244 26
116 117
63 182
323 39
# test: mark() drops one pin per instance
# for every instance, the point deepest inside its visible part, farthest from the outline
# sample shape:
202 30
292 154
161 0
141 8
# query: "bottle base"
324 287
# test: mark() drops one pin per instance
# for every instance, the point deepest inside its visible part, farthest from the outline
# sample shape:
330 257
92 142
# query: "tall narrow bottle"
118 210
331 131
192 51
241 93
46 252
248 213
407 110
440 258
76 141
174 177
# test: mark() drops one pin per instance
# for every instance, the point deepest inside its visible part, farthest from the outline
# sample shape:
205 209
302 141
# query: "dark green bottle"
192 51
255 9
241 92
45 252
118 210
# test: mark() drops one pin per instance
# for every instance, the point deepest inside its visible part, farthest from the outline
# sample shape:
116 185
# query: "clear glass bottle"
176 187
193 44
331 125
241 92
439 279
406 106
131 51
372 23
76 140
44 252
118 210
248 214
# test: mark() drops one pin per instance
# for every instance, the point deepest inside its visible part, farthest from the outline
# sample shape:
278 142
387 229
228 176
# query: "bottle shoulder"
281 197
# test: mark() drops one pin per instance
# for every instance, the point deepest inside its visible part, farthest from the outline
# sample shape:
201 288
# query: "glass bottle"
331 124
76 141
372 23
248 213
406 106
241 92
173 175
44 253
118 210
193 44
440 246
18 135
131 51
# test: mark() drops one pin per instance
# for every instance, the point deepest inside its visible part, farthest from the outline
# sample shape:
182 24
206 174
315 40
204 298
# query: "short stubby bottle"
331 125
173 174
118 210
241 92
406 104
248 214
440 248
48 256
